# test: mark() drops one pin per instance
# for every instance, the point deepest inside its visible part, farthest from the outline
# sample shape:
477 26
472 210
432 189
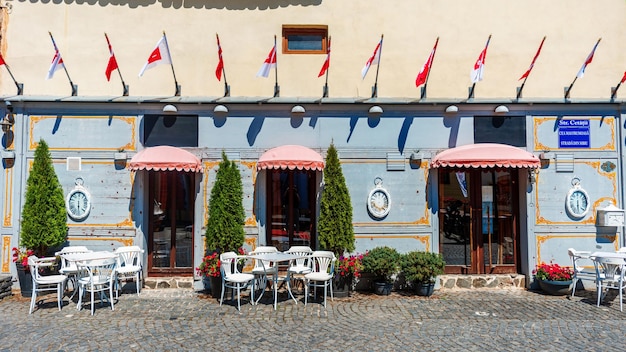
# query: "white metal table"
276 257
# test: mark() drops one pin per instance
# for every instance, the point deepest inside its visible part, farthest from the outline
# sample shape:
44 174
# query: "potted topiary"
421 269
383 262
225 226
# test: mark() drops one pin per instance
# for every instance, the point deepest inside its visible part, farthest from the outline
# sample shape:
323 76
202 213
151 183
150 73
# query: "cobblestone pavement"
181 319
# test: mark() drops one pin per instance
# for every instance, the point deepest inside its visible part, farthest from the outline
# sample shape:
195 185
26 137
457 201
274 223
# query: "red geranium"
553 272
350 265
21 255
210 265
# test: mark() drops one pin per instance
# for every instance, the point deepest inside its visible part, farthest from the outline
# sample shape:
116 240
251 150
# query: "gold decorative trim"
123 240
425 239
6 253
8 198
131 120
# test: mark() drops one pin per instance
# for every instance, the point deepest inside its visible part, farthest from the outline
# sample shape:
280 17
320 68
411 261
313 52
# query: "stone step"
449 282
168 282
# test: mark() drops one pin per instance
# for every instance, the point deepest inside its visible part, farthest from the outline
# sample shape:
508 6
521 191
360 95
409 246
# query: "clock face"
577 203
78 204
379 203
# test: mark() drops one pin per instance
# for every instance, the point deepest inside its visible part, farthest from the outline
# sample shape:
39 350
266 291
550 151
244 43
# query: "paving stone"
450 320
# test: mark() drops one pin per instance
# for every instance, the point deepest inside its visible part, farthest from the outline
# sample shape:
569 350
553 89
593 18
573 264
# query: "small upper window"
305 39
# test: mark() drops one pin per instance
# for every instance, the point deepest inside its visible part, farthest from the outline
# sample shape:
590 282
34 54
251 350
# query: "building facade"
413 157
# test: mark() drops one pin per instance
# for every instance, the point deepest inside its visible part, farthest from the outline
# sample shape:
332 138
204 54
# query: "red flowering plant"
21 256
349 265
553 272
210 266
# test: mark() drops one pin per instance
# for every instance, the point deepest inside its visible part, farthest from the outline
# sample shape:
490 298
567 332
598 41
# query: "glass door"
291 208
478 220
170 245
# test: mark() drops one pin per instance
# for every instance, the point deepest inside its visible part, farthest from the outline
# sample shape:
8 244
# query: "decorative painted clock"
378 200
577 200
78 202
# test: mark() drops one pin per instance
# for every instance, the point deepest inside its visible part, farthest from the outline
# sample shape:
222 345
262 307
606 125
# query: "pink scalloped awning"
291 157
486 155
165 158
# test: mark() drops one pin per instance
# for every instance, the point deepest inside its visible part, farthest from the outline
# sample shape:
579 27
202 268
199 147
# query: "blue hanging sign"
574 134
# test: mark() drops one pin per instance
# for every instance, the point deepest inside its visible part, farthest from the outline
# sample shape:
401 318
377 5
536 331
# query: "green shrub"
383 262
418 266
44 218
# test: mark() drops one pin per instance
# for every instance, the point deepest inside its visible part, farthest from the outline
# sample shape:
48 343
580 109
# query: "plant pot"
424 288
216 286
342 286
25 279
365 282
555 288
383 288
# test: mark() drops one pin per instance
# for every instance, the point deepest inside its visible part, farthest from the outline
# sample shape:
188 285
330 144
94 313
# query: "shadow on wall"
195 4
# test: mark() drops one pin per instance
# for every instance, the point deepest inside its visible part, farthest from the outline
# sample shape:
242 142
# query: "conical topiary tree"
44 218
336 232
224 230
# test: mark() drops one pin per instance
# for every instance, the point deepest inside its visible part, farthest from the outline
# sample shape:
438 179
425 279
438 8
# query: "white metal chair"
68 267
263 270
579 258
45 283
301 266
233 279
96 276
321 275
610 275
129 266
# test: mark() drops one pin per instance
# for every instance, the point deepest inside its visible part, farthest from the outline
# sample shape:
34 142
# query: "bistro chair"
321 275
129 266
96 276
263 270
610 276
42 283
580 272
68 267
301 266
233 279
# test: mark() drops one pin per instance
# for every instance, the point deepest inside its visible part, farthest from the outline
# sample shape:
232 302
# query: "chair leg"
137 282
92 298
306 291
599 291
222 295
60 295
332 298
238 297
325 293
33 298
574 287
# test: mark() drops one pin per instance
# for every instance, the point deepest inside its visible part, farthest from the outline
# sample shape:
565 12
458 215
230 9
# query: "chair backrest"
323 262
301 250
35 263
99 271
578 257
622 250
263 264
129 256
68 250
610 267
228 264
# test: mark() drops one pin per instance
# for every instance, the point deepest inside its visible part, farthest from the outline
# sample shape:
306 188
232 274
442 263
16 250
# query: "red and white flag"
622 81
374 59
423 74
2 62
532 64
112 64
326 64
160 55
477 73
57 64
220 63
268 64
581 72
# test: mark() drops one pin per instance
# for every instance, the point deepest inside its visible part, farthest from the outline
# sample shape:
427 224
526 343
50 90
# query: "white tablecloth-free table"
277 257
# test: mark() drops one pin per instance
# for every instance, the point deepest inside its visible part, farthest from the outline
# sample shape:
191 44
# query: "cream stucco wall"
247 27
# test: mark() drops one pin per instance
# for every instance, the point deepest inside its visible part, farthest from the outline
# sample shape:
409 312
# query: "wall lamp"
376 110
169 108
220 109
501 109
452 109
7 122
298 109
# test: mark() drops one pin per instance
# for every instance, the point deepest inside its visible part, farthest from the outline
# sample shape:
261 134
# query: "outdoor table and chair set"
314 268
608 273
87 271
